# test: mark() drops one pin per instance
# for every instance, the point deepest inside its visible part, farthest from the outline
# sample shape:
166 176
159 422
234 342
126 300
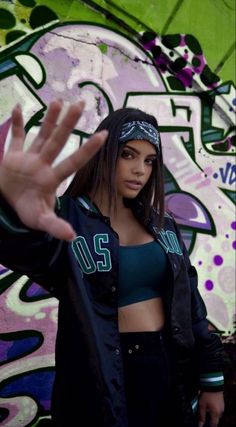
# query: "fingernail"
82 102
17 106
17 109
104 132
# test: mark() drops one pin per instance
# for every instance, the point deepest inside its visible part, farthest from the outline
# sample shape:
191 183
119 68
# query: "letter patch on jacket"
88 261
169 242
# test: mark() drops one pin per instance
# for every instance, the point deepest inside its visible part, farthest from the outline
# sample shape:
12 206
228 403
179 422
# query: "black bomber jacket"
83 275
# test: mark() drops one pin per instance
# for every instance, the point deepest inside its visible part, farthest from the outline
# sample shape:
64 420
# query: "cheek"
121 169
148 173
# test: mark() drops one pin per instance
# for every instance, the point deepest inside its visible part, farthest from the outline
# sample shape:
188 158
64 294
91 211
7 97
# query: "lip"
134 185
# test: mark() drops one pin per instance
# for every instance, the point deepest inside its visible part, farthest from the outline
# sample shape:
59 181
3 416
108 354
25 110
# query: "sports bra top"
142 272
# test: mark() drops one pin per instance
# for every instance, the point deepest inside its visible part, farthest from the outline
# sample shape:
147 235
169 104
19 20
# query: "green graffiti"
41 15
175 84
13 35
196 62
207 77
7 19
171 41
28 3
193 44
103 48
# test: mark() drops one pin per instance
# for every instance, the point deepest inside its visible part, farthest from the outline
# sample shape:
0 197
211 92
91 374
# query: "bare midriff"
142 316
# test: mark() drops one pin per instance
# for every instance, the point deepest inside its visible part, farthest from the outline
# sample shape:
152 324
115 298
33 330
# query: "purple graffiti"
180 57
12 348
4 348
187 210
38 384
218 260
209 285
35 291
233 225
227 174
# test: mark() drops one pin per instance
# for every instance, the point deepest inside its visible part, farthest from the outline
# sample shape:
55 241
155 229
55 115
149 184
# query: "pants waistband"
141 339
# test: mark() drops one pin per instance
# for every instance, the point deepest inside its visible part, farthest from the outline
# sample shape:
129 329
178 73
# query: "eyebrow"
138 152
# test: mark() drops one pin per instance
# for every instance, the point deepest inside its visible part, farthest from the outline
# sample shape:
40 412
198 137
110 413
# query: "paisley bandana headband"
140 130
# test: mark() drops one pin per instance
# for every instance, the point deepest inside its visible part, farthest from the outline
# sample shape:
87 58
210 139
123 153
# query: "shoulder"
81 205
66 204
63 201
170 225
169 219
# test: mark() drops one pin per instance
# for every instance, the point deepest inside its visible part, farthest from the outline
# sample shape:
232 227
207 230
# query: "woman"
142 354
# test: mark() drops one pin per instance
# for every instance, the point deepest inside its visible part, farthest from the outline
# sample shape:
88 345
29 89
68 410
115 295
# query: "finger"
56 227
80 157
47 127
62 132
18 132
201 416
214 420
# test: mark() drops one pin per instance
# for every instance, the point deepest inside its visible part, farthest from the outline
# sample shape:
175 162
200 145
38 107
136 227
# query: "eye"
127 154
150 161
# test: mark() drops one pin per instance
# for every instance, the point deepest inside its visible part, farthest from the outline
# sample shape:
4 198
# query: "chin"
130 195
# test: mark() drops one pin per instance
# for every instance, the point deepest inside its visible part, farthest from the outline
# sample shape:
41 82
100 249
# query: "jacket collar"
88 205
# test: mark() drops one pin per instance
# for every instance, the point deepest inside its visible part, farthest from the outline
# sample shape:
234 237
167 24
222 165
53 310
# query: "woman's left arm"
211 363
211 356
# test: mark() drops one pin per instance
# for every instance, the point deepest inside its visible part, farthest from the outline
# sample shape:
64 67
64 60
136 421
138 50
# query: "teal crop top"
142 272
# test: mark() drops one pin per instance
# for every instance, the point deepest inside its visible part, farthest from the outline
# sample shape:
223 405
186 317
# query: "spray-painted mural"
112 62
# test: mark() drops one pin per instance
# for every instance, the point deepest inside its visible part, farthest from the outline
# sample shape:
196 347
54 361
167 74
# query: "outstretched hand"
29 181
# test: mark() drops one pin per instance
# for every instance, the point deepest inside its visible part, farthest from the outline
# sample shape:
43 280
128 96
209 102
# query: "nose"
139 168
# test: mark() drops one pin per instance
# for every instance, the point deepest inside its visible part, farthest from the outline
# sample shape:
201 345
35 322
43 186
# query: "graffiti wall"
114 54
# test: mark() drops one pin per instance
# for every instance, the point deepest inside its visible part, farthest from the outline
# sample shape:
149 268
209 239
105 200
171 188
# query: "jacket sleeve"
33 253
209 348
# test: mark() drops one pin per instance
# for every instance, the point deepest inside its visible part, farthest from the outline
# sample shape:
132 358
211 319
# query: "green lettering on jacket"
86 259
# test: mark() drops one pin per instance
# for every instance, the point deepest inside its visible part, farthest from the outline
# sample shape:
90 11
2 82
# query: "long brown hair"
100 170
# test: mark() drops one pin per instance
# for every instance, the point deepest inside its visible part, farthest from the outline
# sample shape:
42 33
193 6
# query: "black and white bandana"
140 130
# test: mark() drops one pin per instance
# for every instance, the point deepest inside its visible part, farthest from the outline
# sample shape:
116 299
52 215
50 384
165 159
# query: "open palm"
29 181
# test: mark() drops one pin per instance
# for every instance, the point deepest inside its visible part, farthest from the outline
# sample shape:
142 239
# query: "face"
134 167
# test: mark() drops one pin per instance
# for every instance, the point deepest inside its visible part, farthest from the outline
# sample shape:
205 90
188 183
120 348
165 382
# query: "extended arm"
28 179
32 233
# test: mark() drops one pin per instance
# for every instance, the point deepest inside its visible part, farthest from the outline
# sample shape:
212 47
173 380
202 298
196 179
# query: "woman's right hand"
29 181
